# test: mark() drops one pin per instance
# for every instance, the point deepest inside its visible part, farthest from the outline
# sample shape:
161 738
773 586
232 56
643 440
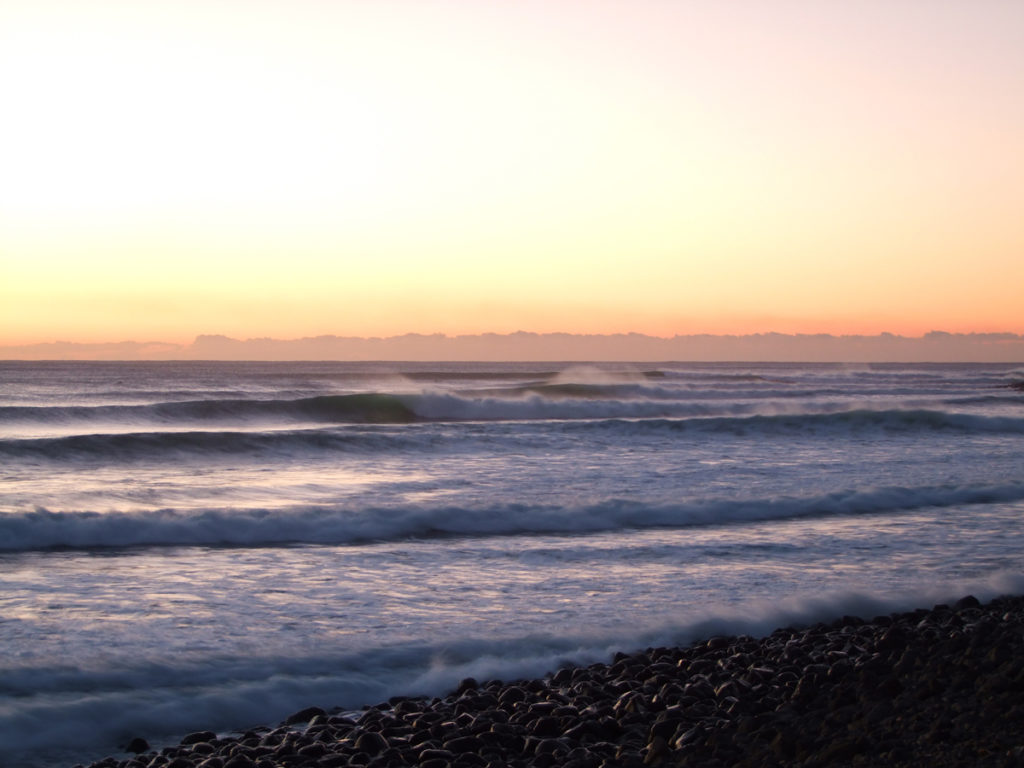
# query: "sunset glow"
169 169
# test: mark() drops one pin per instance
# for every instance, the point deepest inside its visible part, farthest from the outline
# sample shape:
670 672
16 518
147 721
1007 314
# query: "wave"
620 397
99 709
357 408
986 400
625 420
528 401
42 529
703 414
830 422
142 446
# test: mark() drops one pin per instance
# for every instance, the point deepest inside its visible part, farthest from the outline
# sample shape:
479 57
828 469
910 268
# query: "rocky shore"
939 687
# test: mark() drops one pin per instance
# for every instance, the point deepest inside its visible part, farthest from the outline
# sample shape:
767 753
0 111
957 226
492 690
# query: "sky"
291 168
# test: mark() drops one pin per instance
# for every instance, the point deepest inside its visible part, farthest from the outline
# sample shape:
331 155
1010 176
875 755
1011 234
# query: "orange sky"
271 168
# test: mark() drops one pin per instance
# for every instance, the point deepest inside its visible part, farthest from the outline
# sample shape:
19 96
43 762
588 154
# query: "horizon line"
528 346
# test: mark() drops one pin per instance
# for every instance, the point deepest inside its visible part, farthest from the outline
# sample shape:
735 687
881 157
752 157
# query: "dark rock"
137 745
550 747
970 601
305 715
783 746
511 695
436 754
841 749
371 743
462 744
546 727
198 736
717 643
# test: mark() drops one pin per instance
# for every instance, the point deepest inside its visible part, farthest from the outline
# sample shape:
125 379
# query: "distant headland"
936 346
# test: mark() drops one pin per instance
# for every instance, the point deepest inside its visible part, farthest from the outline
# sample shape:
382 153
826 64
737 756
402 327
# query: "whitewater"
195 545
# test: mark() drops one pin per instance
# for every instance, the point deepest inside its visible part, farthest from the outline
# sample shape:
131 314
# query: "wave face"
215 545
141 446
42 529
361 408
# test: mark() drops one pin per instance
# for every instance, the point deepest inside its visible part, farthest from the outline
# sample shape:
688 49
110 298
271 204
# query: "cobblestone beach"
940 687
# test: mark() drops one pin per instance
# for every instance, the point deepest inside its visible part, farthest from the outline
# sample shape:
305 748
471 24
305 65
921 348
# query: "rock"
305 715
137 745
893 639
970 601
546 727
511 695
371 742
462 744
198 736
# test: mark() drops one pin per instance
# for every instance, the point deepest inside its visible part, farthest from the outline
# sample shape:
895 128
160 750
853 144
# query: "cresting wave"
546 401
43 529
542 400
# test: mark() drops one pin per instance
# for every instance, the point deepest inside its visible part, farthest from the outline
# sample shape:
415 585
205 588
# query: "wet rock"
371 743
305 715
462 744
970 601
198 736
137 746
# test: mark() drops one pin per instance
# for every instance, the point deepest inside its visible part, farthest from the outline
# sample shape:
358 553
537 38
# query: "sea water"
215 545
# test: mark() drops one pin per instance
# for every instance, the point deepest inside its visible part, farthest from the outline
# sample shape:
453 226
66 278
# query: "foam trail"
44 529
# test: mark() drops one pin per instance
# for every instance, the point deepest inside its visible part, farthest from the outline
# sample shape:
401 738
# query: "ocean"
193 545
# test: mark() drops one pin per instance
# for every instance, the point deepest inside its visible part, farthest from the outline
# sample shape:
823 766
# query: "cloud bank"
937 346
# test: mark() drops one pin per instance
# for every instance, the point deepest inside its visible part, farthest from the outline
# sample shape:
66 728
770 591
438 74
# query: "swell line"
141 446
359 408
41 529
839 421
387 436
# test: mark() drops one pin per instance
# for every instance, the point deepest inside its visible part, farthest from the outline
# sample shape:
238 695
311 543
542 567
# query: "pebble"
943 688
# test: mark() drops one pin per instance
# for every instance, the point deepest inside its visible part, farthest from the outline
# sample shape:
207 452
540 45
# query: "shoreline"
941 687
